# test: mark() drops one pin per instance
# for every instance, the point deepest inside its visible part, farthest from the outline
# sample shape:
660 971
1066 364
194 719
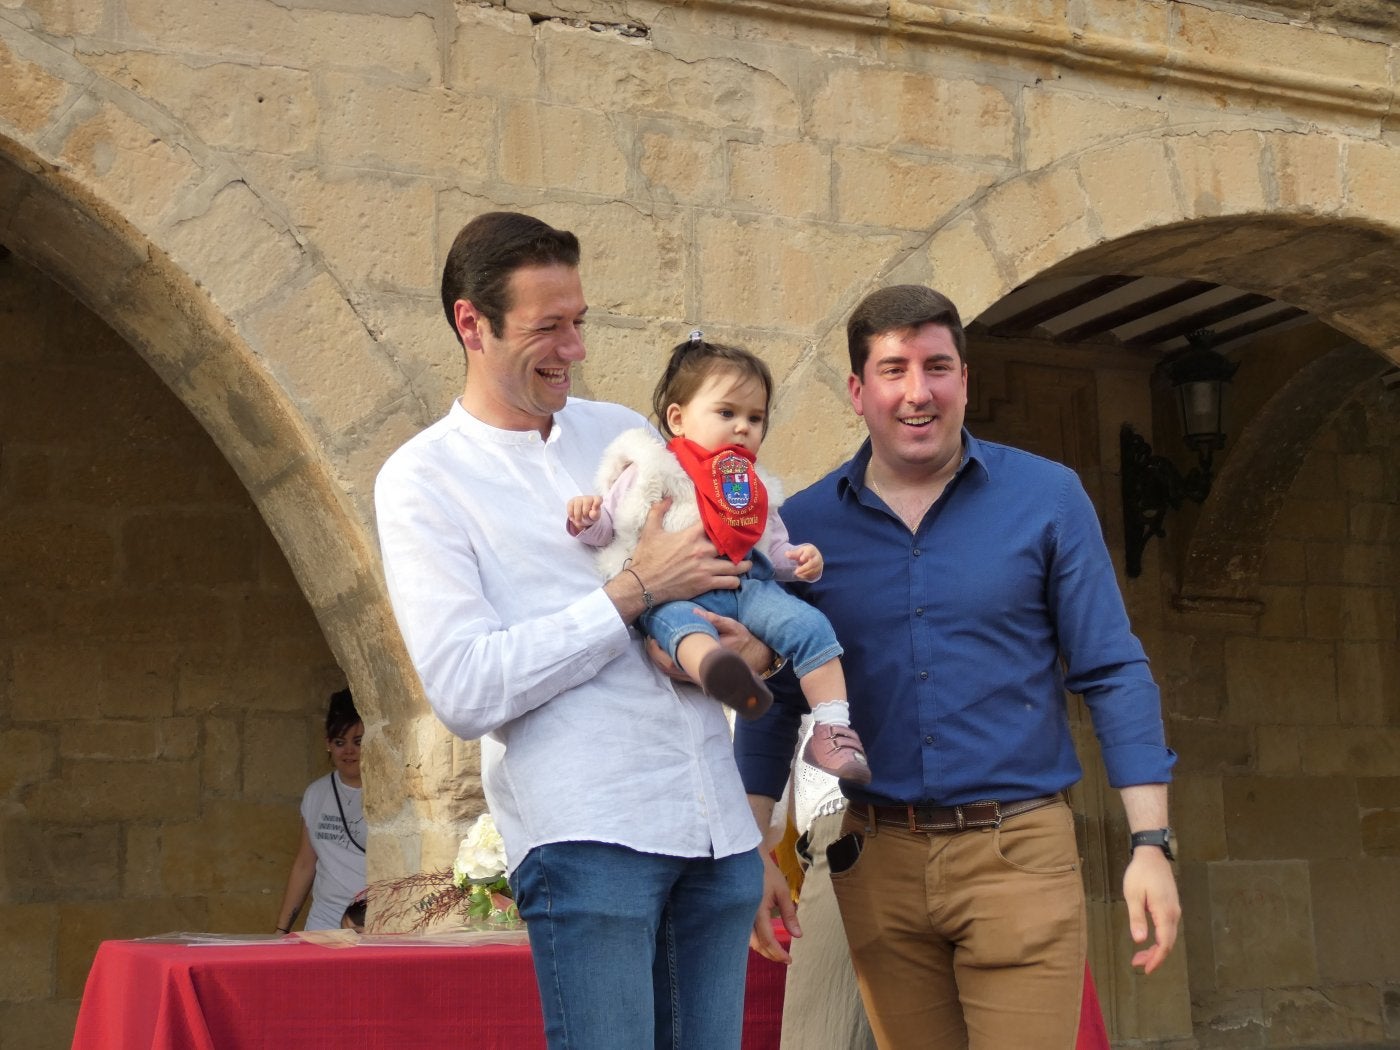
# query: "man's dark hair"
341 715
488 250
897 307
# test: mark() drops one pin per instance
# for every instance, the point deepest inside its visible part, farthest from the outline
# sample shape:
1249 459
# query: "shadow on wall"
162 675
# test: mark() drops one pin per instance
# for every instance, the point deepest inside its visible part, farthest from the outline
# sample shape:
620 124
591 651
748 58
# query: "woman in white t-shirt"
330 864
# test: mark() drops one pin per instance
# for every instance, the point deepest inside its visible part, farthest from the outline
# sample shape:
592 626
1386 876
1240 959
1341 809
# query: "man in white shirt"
631 847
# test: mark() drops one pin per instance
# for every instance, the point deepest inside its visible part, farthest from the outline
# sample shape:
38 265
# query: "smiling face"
912 394
345 753
729 408
518 378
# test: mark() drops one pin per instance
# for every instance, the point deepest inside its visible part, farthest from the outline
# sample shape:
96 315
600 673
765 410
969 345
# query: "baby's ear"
673 419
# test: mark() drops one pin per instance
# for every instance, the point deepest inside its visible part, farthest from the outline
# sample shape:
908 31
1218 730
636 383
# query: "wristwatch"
1159 837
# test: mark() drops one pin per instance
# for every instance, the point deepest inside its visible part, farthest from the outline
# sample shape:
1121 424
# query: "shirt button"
923 675
917 552
919 611
928 740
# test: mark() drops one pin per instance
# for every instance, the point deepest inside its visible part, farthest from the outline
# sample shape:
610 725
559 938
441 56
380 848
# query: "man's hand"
776 897
735 636
1149 887
732 635
671 566
809 562
582 512
665 664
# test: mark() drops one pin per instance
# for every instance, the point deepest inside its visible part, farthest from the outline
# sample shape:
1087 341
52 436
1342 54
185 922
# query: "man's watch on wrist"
1159 837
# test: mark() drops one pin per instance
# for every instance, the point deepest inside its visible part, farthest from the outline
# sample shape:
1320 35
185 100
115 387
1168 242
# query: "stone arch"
1267 211
244 321
162 313
1311 221
1226 550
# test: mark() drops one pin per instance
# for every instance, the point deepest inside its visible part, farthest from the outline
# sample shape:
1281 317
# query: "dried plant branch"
416 901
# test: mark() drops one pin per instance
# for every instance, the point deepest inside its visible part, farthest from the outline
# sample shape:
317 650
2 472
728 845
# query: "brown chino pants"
968 940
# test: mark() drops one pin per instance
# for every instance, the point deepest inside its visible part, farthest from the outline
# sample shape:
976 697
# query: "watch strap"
1159 837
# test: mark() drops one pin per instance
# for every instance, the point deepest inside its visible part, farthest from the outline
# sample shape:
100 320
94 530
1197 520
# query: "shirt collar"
974 452
468 424
852 475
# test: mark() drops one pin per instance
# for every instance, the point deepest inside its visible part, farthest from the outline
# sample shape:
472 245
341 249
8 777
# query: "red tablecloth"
150 995
145 995
1093 1033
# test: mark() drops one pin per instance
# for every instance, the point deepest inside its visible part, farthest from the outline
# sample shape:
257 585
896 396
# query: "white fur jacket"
637 470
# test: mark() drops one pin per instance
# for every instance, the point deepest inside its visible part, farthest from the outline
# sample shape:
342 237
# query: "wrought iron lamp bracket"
1152 485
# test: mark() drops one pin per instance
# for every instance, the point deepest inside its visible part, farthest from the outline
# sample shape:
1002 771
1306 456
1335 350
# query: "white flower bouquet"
475 888
480 872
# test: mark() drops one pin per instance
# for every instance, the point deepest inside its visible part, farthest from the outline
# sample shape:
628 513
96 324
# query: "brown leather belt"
922 817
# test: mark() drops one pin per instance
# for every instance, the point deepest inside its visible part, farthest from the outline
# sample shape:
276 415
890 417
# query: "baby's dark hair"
694 361
341 714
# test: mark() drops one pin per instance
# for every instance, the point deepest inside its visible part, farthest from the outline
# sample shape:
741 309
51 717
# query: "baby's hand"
583 512
809 562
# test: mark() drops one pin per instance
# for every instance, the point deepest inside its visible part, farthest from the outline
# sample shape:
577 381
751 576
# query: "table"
159 995
155 995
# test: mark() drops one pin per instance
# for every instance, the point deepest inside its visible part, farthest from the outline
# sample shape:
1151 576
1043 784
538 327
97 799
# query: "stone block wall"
1288 725
255 197
1286 722
162 678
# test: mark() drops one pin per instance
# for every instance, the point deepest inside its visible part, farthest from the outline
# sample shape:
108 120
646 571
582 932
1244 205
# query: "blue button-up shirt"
962 637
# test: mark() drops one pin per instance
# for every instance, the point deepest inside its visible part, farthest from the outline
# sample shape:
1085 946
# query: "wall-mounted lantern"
1198 376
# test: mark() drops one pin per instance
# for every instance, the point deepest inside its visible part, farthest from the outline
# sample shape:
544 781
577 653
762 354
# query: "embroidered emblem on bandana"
733 474
733 502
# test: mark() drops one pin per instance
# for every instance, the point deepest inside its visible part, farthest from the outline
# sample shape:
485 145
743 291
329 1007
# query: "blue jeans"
638 951
783 622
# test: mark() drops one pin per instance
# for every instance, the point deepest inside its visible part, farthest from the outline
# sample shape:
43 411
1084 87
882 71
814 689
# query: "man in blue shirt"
971 587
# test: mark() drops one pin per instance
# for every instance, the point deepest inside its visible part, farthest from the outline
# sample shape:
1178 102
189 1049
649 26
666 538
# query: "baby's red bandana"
733 501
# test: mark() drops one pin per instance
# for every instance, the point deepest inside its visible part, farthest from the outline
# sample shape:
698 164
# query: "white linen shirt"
506 621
